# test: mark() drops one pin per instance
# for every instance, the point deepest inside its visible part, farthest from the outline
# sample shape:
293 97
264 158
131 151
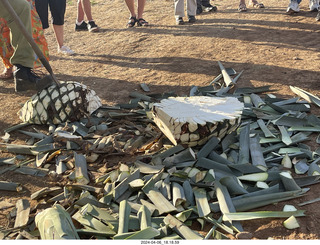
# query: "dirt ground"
271 47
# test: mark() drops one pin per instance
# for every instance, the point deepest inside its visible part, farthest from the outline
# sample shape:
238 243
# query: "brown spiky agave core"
69 102
194 120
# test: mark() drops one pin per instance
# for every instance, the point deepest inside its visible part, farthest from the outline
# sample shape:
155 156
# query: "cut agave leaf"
261 214
291 223
289 208
55 223
23 210
202 202
181 228
254 177
286 161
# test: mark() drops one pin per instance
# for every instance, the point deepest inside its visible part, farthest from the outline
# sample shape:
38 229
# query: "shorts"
57 9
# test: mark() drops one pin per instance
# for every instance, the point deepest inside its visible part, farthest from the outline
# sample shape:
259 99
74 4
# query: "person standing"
23 57
6 50
84 8
136 17
57 9
179 11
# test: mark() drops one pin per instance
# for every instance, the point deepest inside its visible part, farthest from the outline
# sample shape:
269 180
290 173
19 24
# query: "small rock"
244 235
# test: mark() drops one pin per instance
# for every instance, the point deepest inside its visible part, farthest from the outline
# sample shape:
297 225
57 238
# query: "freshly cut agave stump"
193 120
70 101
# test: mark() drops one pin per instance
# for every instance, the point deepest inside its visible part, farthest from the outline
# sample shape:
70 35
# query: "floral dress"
6 50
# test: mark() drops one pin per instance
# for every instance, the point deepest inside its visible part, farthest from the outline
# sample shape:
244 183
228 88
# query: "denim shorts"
57 9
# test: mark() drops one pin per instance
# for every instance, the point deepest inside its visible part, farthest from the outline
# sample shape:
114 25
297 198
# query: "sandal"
7 73
255 4
242 7
132 21
142 22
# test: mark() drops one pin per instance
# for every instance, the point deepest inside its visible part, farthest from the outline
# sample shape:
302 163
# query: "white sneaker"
314 5
65 50
293 7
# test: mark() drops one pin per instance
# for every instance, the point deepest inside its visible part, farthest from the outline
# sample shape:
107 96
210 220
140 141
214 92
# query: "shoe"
293 7
92 27
192 19
82 27
25 79
209 8
132 21
318 16
65 50
255 4
242 7
142 22
314 5
179 21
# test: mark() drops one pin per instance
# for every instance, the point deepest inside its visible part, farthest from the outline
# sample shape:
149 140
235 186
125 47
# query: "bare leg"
141 4
80 15
58 31
86 5
130 5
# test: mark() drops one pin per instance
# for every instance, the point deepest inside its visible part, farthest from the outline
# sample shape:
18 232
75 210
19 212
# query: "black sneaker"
179 21
82 27
192 19
92 27
25 79
209 8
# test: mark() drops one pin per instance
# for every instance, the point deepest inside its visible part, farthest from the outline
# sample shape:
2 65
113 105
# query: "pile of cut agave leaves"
166 188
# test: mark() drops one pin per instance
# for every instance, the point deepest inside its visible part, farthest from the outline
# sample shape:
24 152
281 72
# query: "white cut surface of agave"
200 116
68 102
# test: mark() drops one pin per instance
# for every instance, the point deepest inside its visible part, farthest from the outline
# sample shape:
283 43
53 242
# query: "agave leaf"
10 186
146 233
254 177
81 169
261 214
201 201
162 204
178 196
183 156
124 185
210 164
7 160
124 214
306 95
227 79
244 145
144 216
256 153
170 151
233 185
147 168
208 147
45 191
32 171
314 169
55 223
140 96
219 224
301 167
286 161
179 227
265 129
23 210
225 203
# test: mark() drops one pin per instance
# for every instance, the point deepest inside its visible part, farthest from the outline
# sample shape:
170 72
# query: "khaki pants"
179 8
23 52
